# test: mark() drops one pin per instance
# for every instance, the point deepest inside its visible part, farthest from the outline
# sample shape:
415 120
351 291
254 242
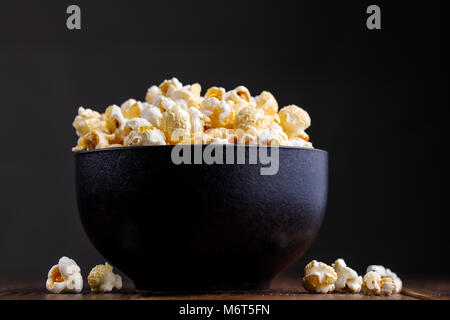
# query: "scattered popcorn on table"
178 113
64 277
387 286
348 280
387 273
319 277
102 279
371 283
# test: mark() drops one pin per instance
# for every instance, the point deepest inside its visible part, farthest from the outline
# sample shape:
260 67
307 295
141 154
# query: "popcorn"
216 135
371 283
348 280
238 95
294 121
169 86
86 120
64 277
319 277
145 136
176 124
220 113
131 108
249 118
153 115
387 287
273 136
182 115
102 279
387 273
215 92
96 139
267 103
152 93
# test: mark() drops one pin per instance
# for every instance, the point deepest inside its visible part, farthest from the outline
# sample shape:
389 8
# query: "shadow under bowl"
201 227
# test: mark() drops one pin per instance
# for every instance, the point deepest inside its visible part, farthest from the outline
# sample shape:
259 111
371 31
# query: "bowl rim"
165 146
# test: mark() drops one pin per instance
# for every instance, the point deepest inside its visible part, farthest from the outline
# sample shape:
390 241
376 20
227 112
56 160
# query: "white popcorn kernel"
86 121
153 115
348 280
371 283
152 93
131 108
294 121
319 277
387 287
102 279
387 273
64 277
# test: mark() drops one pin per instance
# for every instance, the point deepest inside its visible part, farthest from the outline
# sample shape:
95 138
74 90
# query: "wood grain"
283 288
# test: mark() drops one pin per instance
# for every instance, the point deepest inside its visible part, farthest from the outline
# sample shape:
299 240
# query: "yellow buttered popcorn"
215 92
295 121
102 279
169 86
183 115
86 121
238 95
152 94
131 108
176 124
319 277
96 139
249 118
220 113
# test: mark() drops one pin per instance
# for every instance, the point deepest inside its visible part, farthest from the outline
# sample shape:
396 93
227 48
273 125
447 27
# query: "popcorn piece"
169 86
153 115
86 121
295 121
96 139
64 277
215 92
273 136
219 135
152 94
220 113
267 103
387 273
387 287
319 277
176 124
348 280
195 89
131 108
238 95
249 118
145 136
371 283
102 279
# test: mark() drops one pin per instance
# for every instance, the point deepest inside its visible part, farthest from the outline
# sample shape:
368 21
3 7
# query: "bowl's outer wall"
200 227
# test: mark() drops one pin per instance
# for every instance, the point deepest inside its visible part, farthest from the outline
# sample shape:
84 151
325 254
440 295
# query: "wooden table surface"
283 288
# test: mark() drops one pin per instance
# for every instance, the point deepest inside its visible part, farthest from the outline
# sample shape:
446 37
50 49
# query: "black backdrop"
377 100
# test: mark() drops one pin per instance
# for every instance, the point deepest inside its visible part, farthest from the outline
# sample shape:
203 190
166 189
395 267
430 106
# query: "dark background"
377 100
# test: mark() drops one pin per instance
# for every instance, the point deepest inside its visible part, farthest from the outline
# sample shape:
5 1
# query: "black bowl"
200 227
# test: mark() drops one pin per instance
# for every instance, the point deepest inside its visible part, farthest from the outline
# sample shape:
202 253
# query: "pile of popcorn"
322 278
174 113
66 277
